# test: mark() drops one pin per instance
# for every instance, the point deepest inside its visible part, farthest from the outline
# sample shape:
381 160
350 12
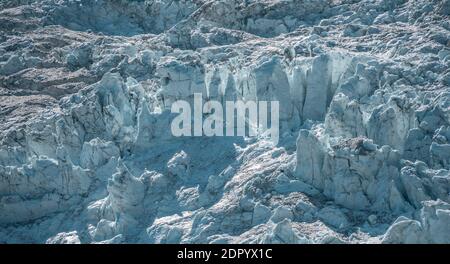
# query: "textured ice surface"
86 153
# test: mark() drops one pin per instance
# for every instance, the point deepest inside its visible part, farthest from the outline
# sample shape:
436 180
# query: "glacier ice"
86 153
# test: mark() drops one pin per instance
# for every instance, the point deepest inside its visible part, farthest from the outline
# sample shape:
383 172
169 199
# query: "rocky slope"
86 154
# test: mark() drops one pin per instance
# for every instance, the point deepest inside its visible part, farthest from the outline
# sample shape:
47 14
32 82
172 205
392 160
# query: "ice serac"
87 156
354 172
431 227
318 80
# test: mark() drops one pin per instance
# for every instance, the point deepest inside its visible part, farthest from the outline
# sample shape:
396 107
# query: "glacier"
86 153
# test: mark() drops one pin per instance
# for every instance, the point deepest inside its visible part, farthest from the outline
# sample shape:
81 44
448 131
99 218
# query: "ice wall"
86 153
